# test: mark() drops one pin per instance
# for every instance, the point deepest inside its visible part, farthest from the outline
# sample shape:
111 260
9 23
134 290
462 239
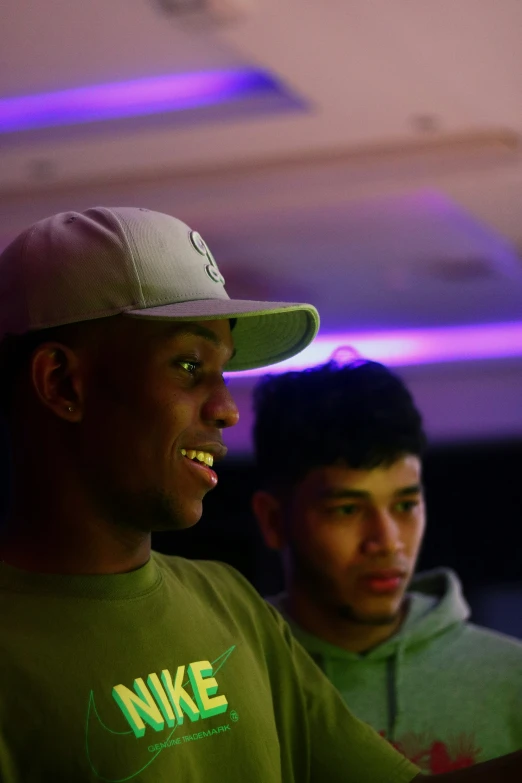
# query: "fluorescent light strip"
140 97
409 347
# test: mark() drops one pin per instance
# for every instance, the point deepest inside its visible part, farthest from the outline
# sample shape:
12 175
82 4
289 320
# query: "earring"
70 409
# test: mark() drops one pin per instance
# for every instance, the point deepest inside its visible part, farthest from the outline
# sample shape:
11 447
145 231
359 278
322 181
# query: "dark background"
474 502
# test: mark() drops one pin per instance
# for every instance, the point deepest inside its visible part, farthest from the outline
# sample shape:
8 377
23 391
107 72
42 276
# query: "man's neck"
55 526
63 536
28 551
329 626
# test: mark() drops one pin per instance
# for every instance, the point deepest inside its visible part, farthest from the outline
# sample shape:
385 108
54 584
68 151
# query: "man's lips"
214 447
201 456
385 580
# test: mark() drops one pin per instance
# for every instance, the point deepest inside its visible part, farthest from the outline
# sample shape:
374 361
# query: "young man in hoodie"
339 452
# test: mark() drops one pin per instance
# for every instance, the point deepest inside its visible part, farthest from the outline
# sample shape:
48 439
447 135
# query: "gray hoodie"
443 691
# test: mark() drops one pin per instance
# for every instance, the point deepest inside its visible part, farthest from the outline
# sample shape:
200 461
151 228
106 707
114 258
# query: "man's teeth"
201 456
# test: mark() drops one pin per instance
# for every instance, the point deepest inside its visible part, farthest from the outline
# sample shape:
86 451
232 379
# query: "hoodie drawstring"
393 670
392 690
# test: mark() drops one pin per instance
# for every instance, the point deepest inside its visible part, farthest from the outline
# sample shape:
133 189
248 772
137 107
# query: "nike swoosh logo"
125 736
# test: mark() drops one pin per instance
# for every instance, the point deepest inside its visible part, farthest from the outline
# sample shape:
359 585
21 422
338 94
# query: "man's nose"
220 409
383 535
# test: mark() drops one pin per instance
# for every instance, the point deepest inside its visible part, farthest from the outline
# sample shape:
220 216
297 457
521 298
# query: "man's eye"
407 505
346 511
190 367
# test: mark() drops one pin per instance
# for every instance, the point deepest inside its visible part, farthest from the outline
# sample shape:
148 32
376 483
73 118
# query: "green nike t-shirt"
177 671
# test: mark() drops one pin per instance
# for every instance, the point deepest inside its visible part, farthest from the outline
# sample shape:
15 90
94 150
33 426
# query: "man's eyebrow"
413 489
342 492
200 331
338 493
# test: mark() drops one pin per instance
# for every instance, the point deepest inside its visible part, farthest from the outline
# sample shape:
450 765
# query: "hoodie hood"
435 603
435 606
443 691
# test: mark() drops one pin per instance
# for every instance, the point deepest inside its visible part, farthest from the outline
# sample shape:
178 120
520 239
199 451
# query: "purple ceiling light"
141 97
409 346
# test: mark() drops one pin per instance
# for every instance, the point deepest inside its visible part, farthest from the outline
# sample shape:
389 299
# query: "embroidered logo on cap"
202 248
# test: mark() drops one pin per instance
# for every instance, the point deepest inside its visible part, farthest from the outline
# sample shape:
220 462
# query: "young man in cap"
339 450
116 663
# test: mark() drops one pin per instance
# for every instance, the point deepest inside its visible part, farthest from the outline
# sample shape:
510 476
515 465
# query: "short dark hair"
358 413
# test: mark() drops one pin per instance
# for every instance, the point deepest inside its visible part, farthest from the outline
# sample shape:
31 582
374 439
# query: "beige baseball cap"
80 266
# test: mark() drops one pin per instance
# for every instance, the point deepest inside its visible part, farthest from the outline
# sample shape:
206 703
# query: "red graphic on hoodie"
435 756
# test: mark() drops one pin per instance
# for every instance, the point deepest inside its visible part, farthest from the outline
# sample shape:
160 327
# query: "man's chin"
182 520
164 513
362 617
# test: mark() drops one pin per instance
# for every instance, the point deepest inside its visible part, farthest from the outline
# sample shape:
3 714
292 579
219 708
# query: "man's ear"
56 380
269 513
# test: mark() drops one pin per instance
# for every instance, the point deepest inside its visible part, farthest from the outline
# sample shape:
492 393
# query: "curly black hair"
359 413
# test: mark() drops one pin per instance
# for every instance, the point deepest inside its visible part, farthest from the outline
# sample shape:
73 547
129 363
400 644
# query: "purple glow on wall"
136 98
409 346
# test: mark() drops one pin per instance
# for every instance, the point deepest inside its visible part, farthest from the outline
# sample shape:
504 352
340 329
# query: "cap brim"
265 332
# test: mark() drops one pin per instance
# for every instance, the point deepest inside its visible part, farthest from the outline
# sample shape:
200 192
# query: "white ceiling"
392 199
366 71
390 262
